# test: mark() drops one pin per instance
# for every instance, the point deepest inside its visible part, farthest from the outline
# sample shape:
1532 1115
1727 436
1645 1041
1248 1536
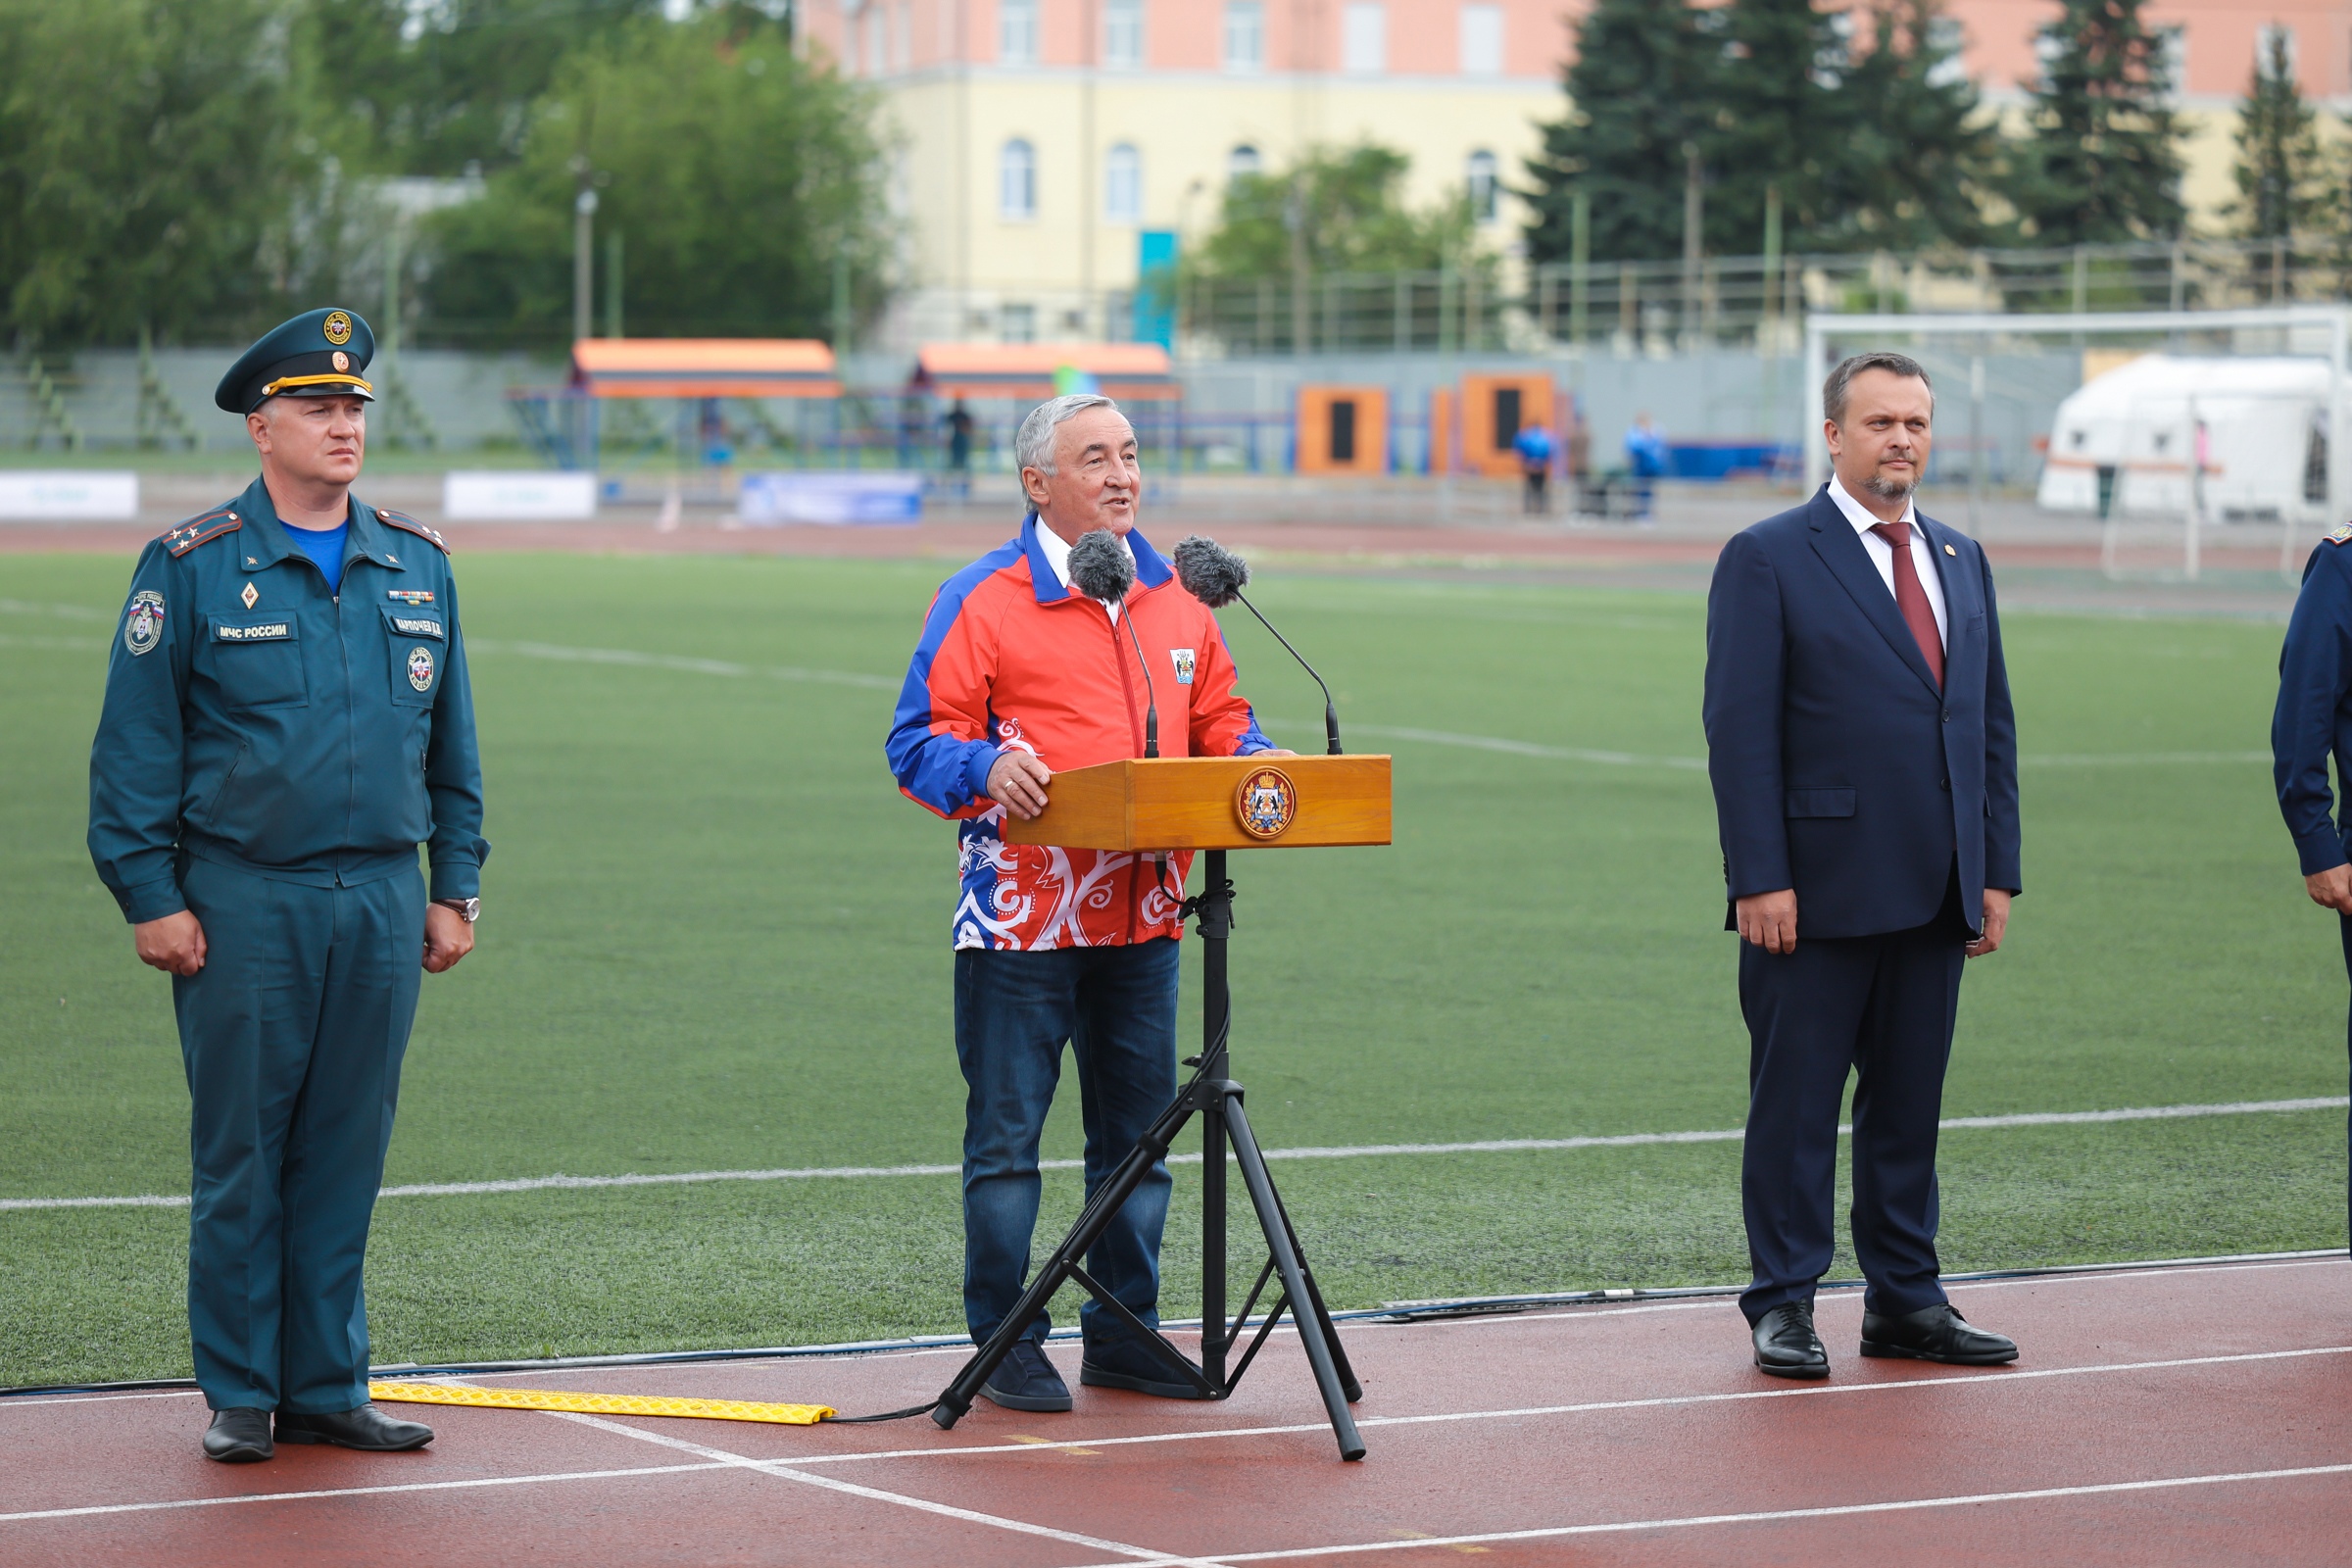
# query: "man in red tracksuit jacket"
1017 675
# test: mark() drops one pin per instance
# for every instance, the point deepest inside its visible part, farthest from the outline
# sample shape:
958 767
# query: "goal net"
2169 442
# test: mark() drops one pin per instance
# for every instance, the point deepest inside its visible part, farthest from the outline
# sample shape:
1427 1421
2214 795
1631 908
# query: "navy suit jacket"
1839 768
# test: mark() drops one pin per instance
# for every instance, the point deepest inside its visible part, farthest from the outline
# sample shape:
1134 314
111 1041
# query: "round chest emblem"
420 668
1266 803
336 328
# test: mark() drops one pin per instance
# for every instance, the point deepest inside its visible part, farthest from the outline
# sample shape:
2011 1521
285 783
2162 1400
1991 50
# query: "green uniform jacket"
254 719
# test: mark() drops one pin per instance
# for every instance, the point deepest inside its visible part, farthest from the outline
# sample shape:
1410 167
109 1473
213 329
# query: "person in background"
959 421
1645 455
1535 447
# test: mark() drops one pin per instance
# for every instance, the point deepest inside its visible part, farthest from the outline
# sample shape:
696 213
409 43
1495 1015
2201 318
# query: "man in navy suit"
1864 757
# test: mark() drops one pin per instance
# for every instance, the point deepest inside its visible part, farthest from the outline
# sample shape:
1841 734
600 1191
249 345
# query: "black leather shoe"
1786 1345
1936 1333
1026 1381
1126 1364
365 1428
238 1437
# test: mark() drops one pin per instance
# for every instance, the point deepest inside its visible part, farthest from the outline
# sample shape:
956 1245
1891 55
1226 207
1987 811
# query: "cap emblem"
342 360
337 328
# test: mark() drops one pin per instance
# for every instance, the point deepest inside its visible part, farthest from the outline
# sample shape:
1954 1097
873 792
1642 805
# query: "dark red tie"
1912 600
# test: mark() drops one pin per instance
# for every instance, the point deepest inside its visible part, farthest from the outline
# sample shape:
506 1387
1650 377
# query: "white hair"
1033 448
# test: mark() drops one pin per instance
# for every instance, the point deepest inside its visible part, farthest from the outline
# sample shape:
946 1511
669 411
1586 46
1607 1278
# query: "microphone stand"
1150 702
1331 714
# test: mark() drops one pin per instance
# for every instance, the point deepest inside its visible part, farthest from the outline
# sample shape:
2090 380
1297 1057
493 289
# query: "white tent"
2121 445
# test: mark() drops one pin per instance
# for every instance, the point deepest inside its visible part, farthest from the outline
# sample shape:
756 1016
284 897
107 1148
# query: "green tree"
2279 161
1639 91
1345 207
1780 112
148 159
431 89
2103 162
1925 161
736 173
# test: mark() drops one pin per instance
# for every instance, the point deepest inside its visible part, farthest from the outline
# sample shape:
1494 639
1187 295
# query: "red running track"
2199 1414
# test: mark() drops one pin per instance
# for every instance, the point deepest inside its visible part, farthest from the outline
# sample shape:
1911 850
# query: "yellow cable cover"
791 1415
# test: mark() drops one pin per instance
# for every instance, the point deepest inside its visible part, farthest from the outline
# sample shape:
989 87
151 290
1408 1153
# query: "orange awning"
1028 370
704 368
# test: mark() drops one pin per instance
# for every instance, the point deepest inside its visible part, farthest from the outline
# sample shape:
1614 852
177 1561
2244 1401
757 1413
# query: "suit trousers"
2346 922
1881 1007
293 1034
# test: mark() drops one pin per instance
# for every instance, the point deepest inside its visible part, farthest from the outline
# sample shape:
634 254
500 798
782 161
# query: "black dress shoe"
238 1437
365 1428
1125 1364
1936 1333
1786 1345
1026 1381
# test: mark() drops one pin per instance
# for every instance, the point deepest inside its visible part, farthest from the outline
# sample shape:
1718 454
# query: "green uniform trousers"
293 1033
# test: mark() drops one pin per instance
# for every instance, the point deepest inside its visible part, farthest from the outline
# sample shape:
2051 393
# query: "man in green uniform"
286 719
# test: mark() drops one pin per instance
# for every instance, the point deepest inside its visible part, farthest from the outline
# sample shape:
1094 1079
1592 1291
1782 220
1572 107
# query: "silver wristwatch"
468 910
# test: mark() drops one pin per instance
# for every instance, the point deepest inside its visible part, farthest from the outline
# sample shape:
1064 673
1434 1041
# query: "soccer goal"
2177 433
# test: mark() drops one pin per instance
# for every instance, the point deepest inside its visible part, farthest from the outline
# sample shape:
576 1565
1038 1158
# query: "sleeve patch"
2342 535
143 623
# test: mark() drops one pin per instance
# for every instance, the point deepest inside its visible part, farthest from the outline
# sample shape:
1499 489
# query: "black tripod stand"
1217 1101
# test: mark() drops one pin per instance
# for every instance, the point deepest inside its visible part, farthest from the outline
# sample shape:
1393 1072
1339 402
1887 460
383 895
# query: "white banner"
773 499
68 495
517 496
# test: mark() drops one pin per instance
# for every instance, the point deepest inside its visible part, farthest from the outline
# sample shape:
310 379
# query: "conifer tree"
2103 162
2277 149
1639 91
1926 156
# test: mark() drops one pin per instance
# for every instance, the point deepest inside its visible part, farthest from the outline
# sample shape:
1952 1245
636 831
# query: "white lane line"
1488 1145
783 1470
354 1491
677 661
1772 1516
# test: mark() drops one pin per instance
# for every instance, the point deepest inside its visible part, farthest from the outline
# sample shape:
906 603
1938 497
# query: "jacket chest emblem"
420 668
252 596
1182 659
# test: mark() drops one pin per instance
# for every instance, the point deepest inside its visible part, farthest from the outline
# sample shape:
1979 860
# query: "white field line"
17 607
677 662
1489 1146
1987 1381
1775 1516
784 1471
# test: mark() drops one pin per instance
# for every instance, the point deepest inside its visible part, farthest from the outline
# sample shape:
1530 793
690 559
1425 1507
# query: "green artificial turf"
715 938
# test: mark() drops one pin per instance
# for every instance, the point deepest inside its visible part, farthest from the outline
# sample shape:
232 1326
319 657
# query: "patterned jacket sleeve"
1223 724
939 748
138 759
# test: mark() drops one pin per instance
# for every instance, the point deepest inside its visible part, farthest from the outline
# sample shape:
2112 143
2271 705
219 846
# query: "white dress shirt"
1057 552
1881 554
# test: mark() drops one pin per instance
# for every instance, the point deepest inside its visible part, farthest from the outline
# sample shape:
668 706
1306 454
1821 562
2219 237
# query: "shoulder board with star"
408 525
196 530
2338 536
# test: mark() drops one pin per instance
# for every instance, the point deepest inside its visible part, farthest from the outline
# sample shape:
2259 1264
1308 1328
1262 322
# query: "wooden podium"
1213 804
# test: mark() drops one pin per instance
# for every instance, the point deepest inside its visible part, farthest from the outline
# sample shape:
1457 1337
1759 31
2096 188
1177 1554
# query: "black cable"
887 1415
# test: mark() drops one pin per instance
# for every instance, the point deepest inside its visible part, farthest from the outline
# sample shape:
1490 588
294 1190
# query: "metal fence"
1660 308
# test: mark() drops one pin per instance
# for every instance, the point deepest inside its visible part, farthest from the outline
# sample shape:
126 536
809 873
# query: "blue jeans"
1116 1008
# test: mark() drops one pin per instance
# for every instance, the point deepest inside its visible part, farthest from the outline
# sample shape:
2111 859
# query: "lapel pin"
1949 551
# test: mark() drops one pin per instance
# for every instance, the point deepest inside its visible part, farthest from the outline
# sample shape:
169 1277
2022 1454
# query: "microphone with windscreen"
1215 575
1101 568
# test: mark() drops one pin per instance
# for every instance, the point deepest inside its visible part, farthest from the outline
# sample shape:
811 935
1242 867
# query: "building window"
1364 38
1016 182
1019 323
1482 40
1123 34
2268 39
2172 51
1243 160
1479 173
1123 185
1244 35
877 40
1016 32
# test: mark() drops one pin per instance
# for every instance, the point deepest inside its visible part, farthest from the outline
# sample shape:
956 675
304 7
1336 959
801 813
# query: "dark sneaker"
1126 1364
1026 1381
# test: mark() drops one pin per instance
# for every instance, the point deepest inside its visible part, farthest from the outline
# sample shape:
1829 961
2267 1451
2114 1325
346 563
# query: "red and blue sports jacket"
1011 659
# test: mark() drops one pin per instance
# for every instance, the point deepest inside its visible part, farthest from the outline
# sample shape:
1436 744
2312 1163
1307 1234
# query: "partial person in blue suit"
2313 723
1864 759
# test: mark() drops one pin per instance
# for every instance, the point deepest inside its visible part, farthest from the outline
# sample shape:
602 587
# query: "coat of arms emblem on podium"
1266 803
